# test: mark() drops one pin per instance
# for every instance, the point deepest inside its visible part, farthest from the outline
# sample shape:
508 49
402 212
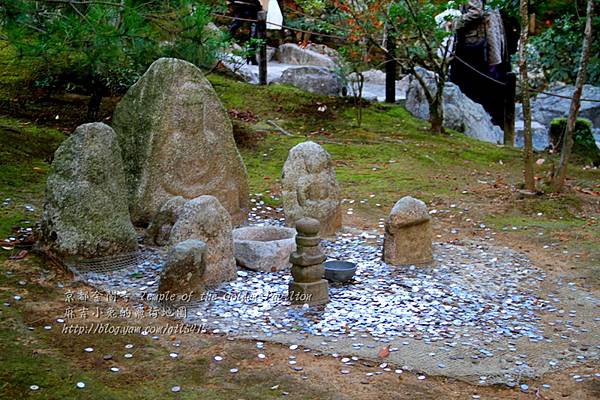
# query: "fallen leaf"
384 352
19 256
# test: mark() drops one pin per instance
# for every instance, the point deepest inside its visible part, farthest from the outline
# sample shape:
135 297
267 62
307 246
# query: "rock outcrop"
460 112
177 140
290 53
85 210
317 80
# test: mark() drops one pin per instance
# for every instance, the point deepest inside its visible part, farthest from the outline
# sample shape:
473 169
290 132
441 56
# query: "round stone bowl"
339 271
264 248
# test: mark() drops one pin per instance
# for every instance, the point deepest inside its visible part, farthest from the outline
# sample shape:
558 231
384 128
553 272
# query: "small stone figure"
310 189
185 270
408 234
205 219
308 285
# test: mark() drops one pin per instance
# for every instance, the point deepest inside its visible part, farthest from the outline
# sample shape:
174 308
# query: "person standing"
246 10
481 53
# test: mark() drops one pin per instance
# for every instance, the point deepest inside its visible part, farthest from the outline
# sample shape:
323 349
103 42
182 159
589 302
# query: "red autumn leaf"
384 352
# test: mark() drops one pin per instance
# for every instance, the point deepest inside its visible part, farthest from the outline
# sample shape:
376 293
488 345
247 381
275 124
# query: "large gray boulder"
310 188
539 134
184 273
324 50
205 219
460 112
290 53
177 140
317 80
85 209
546 107
264 248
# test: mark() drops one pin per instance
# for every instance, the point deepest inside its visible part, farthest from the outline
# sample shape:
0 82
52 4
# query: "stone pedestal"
408 233
308 286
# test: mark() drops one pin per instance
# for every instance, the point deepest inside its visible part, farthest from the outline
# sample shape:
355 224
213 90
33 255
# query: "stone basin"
339 271
264 248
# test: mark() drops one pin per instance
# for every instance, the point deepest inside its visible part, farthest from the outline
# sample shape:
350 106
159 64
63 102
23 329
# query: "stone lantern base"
311 293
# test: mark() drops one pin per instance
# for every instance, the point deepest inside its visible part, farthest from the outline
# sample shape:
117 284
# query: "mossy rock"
584 146
85 209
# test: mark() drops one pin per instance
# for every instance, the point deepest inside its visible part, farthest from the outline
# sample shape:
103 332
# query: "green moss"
584 144
25 154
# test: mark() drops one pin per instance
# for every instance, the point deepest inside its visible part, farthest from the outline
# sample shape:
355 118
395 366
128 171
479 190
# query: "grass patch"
25 154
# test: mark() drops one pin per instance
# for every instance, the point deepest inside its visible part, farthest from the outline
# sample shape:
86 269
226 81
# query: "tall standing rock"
310 189
85 210
205 219
177 140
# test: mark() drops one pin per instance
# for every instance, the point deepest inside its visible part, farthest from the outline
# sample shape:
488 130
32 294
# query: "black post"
261 32
510 94
390 69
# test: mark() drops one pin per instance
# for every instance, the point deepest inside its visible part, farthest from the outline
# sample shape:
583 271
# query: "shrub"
584 145
559 49
100 47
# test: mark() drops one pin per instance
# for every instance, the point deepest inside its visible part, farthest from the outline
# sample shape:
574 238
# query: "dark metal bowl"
339 271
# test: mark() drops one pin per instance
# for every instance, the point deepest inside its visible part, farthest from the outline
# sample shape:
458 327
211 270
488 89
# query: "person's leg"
495 100
236 24
253 15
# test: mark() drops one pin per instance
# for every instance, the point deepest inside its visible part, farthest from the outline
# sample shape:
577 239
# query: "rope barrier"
282 26
533 90
478 71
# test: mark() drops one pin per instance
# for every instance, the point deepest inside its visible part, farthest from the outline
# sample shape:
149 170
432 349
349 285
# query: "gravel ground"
480 313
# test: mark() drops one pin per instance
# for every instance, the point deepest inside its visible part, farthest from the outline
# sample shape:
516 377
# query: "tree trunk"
94 103
528 146
97 92
436 108
358 97
436 116
558 178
